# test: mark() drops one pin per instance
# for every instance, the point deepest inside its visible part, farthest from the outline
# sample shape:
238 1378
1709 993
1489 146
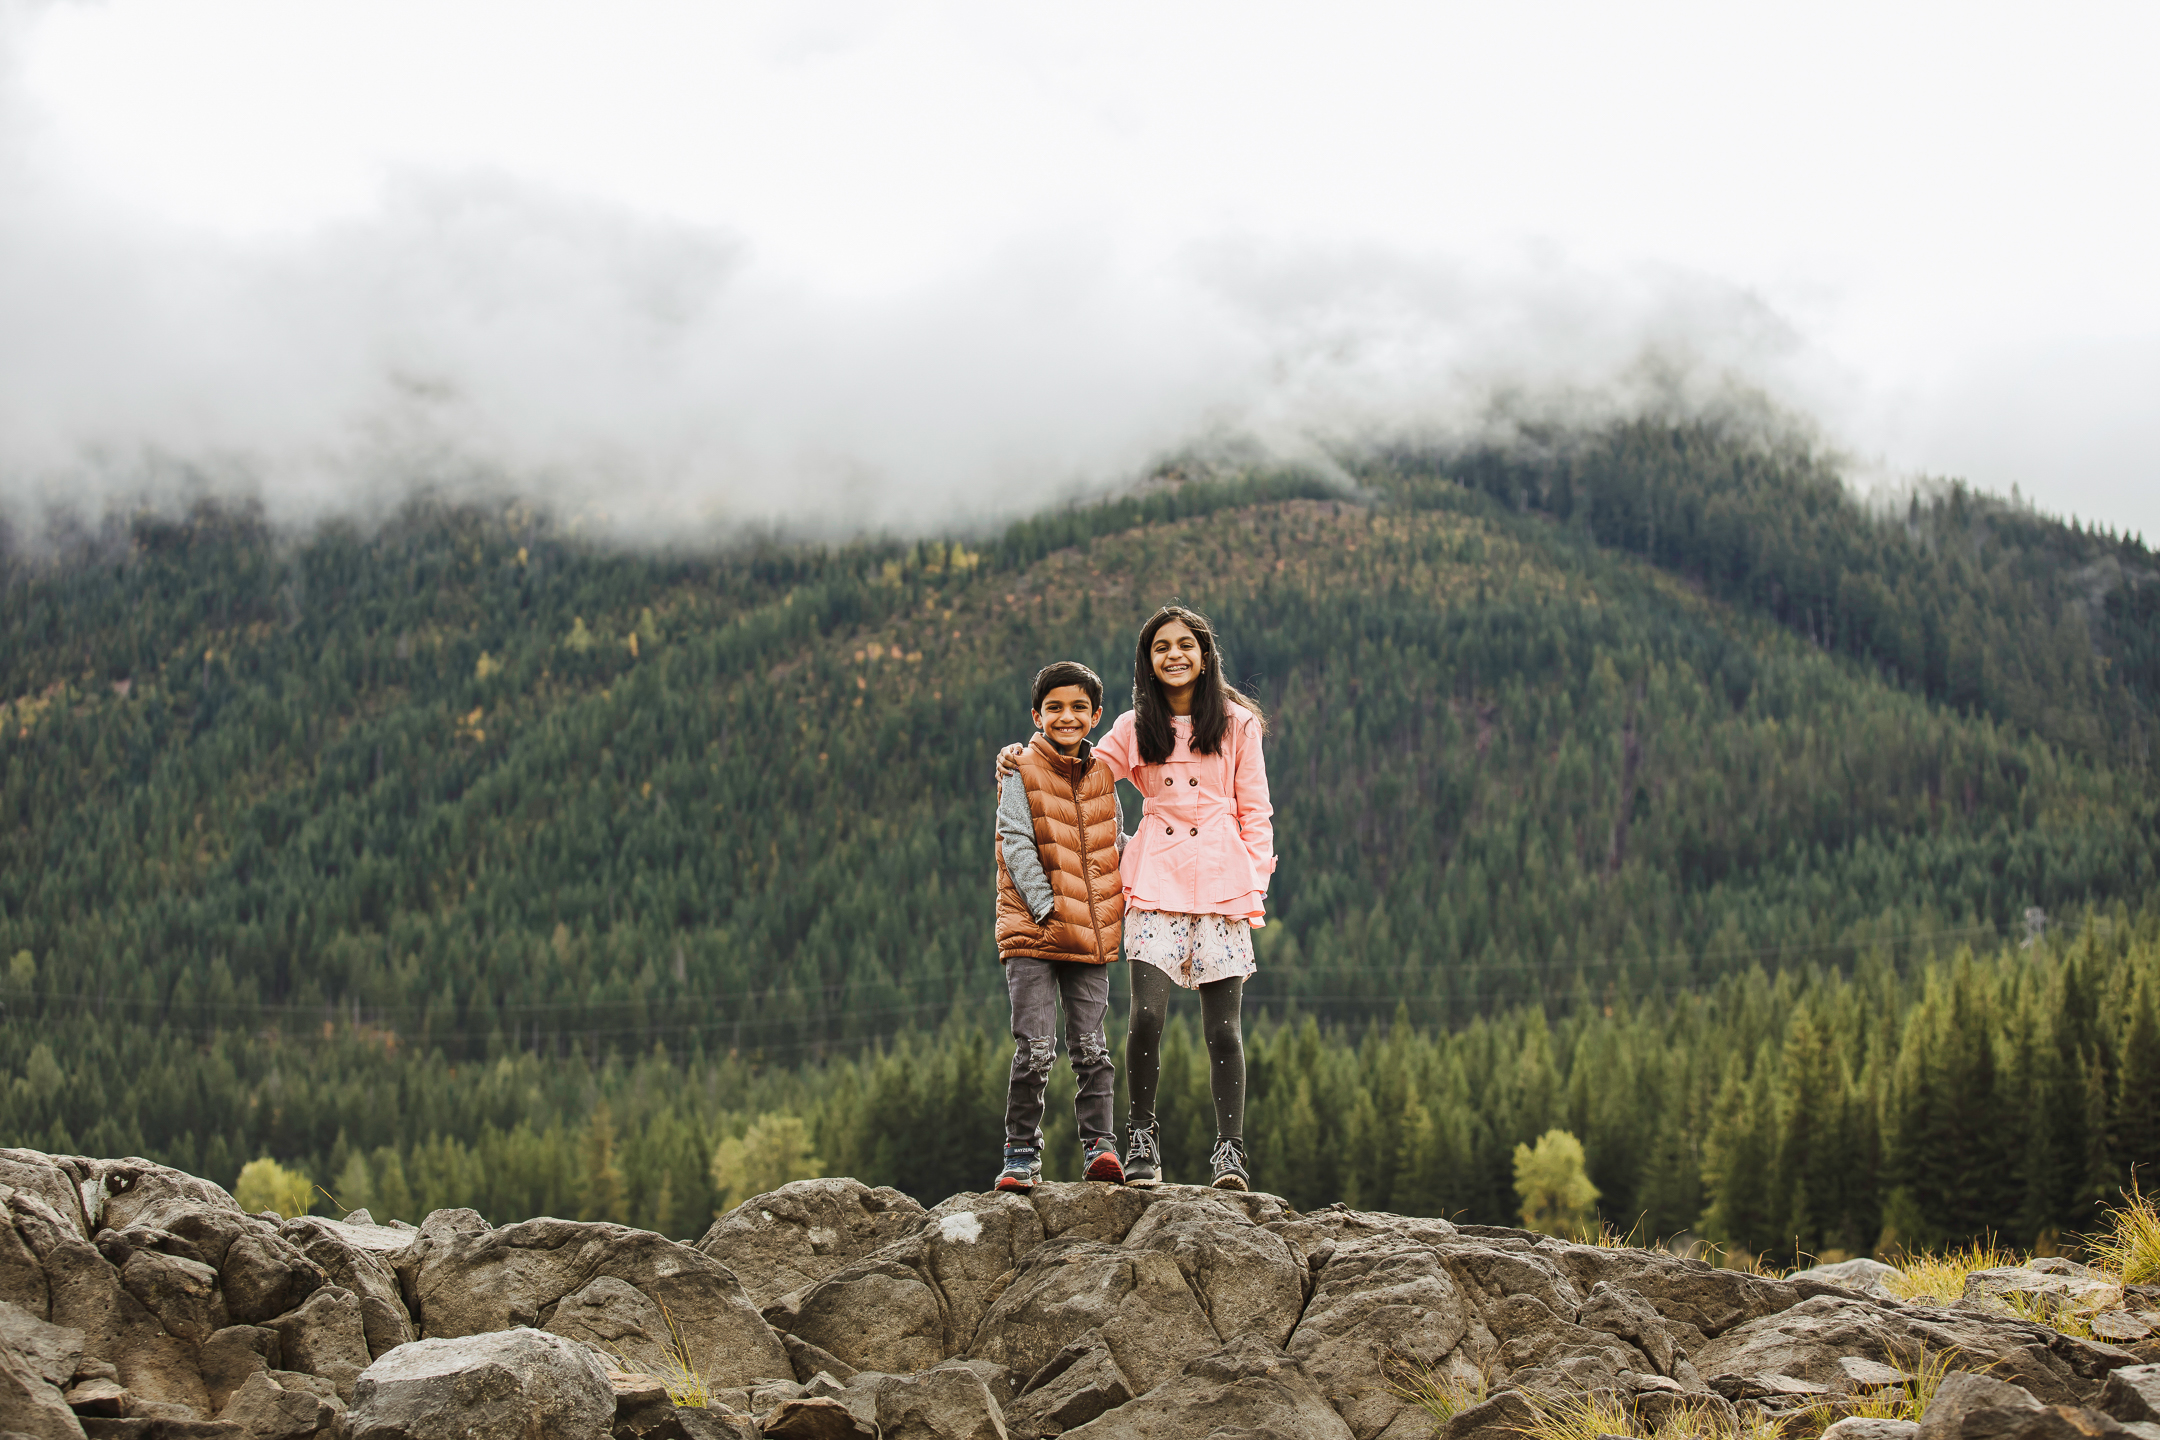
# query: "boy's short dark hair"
1066 672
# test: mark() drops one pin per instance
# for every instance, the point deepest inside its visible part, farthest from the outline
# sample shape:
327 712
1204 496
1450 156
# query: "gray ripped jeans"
1036 986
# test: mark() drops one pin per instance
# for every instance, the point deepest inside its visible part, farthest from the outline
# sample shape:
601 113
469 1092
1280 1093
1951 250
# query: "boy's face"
1066 715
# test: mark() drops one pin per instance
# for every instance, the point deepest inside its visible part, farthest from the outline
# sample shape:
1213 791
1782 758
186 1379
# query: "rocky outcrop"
38 1365
520 1384
1250 1389
798 1235
144 1305
643 1300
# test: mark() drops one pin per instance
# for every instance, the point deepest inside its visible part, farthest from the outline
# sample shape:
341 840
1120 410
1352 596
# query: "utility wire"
810 994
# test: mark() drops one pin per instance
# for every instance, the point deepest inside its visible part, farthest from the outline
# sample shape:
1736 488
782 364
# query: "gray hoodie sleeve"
1016 836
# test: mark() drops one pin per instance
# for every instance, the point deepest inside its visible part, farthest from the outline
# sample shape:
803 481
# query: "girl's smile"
1176 658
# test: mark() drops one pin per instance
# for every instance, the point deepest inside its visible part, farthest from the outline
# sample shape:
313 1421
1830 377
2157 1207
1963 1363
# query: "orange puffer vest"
1074 804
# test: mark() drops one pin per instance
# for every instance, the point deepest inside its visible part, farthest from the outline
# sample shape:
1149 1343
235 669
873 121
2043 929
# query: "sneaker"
1098 1161
1023 1167
1143 1156
1229 1163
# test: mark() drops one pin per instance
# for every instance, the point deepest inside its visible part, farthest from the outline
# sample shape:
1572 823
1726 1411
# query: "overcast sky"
894 263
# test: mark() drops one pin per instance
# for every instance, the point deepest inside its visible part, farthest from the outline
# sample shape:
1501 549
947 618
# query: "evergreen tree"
601 1193
2137 1095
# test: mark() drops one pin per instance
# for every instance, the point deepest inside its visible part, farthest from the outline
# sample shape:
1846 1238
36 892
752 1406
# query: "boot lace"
1229 1155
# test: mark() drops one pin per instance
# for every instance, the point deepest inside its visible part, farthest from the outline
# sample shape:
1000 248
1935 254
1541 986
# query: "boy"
1059 901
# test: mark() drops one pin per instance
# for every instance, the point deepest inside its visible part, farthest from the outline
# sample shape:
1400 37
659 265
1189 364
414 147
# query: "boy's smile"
1066 716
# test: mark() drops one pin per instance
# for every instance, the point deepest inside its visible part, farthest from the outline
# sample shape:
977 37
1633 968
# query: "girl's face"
1175 655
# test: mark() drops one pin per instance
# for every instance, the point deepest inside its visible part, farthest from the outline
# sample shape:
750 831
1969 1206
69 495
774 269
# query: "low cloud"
474 333
478 335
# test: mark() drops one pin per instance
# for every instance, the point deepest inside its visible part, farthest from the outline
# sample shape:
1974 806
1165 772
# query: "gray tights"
1220 1002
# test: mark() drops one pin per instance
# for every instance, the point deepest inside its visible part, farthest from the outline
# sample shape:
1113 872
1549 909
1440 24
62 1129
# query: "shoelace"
1229 1155
1143 1144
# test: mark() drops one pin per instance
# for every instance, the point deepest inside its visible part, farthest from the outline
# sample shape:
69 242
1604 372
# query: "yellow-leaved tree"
774 1150
266 1185
1554 1187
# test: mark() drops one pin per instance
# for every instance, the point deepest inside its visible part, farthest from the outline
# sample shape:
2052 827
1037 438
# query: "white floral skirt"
1190 949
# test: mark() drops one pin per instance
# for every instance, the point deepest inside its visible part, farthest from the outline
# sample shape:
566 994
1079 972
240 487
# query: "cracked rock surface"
139 1301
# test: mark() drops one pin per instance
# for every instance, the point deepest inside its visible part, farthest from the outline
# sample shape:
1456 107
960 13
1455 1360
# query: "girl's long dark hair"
1212 699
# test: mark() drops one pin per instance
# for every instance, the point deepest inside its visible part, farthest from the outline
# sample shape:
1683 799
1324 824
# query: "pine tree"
1809 1106
2136 1131
601 1193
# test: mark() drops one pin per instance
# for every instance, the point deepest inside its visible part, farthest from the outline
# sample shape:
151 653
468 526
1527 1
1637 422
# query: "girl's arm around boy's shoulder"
1117 748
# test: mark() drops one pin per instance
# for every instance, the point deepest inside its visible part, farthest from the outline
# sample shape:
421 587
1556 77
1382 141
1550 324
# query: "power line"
513 1010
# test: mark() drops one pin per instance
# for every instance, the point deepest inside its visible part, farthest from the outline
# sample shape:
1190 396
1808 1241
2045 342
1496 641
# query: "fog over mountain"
838 267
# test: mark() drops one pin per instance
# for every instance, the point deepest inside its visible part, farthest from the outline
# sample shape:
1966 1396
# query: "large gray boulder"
816 1417
1250 1390
37 1362
1089 1211
519 1384
41 1177
1384 1298
182 1293
1963 1395
1135 1300
354 1258
1861 1276
631 1293
1810 1343
262 1274
922 1298
324 1336
1247 1280
92 1195
1547 1354
116 1192
1079 1383
267 1410
968 1246
86 1294
791 1238
2133 1394
2044 1287
946 1402
1685 1292
875 1314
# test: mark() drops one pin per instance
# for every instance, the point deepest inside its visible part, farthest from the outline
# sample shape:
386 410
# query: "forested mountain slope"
1607 722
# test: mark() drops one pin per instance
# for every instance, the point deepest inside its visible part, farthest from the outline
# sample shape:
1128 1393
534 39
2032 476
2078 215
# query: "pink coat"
1206 844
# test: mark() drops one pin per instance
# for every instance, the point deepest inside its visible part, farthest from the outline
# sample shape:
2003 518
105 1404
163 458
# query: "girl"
1195 874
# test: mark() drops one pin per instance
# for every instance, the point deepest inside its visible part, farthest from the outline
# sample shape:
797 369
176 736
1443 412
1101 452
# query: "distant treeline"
1913 1105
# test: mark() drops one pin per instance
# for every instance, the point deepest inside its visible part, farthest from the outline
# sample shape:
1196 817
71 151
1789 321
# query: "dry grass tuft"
685 1386
2051 1311
2129 1248
1691 1422
1942 1277
1579 1417
1608 1238
1439 1395
1924 1376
